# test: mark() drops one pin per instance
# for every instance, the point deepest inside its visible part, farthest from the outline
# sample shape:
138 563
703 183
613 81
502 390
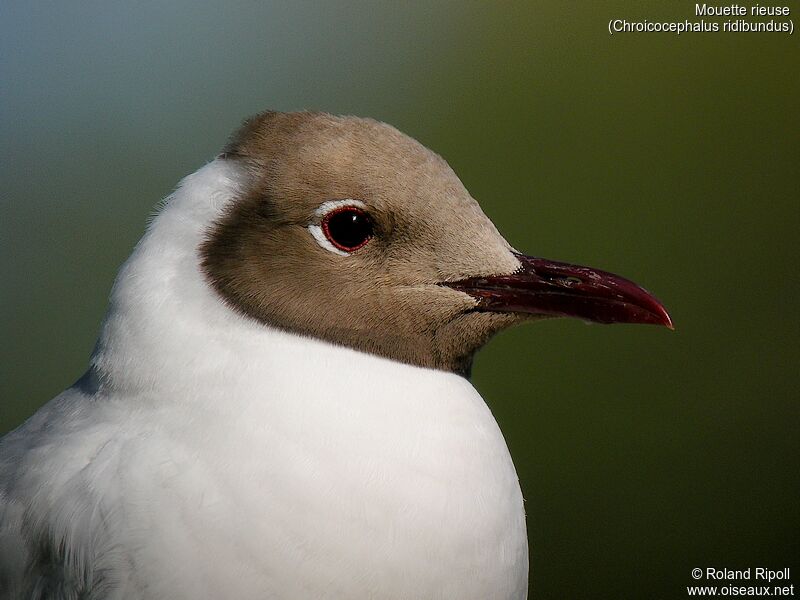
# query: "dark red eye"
348 228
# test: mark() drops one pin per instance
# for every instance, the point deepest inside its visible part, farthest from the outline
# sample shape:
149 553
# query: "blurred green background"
670 159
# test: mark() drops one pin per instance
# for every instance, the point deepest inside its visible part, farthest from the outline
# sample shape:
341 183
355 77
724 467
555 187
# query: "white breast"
342 476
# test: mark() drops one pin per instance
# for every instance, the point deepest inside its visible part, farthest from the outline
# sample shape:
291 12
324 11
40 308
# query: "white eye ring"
315 228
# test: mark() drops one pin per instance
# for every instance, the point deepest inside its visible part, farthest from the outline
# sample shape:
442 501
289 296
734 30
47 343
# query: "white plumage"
205 455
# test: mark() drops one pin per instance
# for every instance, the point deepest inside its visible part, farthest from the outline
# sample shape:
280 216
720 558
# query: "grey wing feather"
53 542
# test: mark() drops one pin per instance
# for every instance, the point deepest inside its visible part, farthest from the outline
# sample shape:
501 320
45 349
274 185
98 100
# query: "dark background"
670 159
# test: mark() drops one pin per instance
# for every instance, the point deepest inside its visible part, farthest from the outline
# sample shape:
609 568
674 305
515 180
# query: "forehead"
302 159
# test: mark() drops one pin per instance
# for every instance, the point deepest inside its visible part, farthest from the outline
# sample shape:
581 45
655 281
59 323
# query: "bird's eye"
342 226
348 228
